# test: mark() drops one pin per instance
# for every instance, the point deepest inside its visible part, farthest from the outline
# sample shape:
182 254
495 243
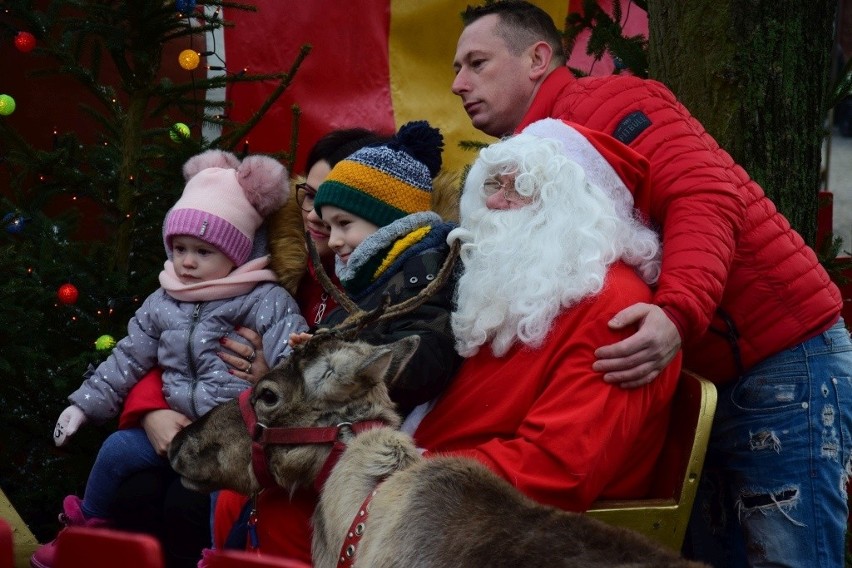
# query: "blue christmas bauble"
13 222
184 6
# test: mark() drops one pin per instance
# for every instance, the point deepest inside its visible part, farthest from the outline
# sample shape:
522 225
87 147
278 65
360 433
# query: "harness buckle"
259 430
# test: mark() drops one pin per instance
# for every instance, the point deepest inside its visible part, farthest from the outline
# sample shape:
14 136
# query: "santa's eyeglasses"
507 185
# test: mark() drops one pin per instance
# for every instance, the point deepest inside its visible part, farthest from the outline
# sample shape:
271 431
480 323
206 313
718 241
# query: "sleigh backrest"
665 514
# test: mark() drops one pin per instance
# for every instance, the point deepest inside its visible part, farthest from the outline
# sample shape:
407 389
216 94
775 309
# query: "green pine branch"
606 36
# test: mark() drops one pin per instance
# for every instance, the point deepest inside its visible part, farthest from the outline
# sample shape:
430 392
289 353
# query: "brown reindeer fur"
438 512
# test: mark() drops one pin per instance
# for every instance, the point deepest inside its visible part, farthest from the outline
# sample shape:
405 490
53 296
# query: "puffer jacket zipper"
190 356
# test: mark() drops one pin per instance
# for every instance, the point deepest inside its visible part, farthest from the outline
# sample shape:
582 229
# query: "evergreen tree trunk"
756 74
127 202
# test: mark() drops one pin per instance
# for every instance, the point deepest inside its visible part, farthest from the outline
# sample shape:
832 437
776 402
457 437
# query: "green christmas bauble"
104 343
7 105
178 132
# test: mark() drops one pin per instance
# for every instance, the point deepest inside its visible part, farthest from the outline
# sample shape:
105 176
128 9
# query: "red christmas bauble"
68 294
25 42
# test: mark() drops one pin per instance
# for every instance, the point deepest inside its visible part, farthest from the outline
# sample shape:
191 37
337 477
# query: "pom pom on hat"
225 201
209 159
386 182
264 181
421 142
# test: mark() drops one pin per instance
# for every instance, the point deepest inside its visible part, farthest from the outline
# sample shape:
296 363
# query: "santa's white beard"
522 270
522 267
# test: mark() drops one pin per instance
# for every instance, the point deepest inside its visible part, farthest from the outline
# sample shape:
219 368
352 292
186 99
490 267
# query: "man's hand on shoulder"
637 360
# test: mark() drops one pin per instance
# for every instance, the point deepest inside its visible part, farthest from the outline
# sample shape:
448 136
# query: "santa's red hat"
607 163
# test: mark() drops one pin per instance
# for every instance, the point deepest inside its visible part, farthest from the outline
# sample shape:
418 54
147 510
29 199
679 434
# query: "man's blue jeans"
773 491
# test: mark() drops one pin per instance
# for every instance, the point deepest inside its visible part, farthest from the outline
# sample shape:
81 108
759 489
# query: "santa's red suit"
542 419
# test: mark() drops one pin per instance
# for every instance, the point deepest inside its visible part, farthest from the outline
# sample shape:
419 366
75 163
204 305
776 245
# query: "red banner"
373 63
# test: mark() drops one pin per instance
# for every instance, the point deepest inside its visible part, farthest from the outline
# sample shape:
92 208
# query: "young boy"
209 288
387 241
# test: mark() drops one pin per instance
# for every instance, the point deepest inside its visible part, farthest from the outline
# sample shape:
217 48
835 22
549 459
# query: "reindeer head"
327 382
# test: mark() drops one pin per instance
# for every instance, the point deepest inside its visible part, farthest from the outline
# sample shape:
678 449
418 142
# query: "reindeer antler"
358 318
326 283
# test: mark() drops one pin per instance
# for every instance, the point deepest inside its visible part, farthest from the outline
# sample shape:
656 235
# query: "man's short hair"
521 25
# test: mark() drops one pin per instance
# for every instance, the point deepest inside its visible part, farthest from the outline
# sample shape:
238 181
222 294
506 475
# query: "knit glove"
69 421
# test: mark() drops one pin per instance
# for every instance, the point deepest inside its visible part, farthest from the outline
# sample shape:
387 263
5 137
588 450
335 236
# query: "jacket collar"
547 96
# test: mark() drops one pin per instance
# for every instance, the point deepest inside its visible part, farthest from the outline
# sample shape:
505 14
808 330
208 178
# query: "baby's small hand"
299 338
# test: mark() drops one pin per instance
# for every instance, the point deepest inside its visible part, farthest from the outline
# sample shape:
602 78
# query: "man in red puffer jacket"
741 292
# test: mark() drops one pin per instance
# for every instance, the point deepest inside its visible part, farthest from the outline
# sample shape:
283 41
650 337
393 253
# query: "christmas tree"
82 210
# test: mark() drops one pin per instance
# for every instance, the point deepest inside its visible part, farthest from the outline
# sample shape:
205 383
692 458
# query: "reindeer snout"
214 452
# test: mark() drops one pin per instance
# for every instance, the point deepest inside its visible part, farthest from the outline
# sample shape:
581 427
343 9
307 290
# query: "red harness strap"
262 436
355 532
258 455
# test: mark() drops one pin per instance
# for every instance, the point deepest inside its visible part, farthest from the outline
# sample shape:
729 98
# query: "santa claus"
551 250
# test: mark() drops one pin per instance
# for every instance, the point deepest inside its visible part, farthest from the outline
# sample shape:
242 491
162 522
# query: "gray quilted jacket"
183 339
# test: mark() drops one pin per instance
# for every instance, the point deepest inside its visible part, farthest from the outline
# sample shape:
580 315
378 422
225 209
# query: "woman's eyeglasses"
305 195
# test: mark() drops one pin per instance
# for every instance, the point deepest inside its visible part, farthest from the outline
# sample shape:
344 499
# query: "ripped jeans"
773 492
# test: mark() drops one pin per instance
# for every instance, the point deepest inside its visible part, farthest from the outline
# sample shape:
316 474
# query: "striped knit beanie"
389 181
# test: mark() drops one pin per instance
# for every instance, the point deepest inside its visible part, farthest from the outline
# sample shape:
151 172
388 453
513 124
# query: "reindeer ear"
387 362
401 353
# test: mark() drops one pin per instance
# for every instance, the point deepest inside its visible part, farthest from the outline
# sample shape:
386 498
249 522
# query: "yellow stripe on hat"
381 186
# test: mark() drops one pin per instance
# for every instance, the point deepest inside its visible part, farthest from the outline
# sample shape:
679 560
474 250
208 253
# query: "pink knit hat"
225 201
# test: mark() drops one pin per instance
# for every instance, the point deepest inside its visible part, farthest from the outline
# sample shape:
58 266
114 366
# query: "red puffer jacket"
738 282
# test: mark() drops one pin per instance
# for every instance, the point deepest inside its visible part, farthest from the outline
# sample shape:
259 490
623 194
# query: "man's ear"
540 57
